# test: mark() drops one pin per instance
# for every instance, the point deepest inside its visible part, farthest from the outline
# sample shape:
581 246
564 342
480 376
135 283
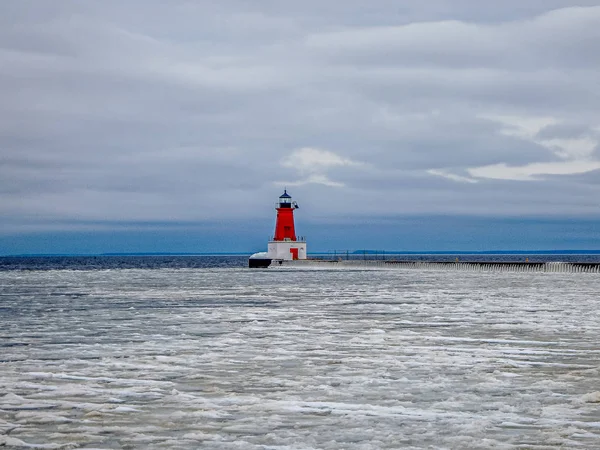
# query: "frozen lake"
230 358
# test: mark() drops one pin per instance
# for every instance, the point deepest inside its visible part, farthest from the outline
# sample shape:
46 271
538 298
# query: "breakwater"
466 266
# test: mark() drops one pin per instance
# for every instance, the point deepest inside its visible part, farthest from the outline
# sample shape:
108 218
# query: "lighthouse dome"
285 200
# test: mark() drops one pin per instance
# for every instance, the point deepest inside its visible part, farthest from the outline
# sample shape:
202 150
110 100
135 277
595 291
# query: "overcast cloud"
192 111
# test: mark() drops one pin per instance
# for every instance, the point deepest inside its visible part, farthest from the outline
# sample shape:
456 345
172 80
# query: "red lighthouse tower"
285 245
284 226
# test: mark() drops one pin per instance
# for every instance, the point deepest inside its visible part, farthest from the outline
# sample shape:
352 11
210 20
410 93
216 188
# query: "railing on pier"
470 266
363 255
491 266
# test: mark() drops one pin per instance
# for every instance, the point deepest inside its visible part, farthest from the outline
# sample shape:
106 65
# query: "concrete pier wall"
479 266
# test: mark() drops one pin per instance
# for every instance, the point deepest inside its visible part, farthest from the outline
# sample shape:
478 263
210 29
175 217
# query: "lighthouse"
285 245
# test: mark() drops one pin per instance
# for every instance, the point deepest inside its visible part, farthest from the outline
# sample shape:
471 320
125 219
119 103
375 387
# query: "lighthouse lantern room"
284 245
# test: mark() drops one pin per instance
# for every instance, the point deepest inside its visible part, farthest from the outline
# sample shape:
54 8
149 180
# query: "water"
206 353
197 262
119 262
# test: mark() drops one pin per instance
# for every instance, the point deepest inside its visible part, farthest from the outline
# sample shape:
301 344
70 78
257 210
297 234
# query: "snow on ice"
354 359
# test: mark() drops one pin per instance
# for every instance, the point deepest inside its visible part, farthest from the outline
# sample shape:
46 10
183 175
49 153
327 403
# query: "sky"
152 126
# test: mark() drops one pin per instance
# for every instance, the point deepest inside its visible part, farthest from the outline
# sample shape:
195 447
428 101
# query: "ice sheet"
284 359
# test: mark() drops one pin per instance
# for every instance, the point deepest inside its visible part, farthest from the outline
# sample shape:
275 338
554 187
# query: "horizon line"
329 252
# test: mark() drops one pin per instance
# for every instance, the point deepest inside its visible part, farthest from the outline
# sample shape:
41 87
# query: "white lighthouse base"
287 250
279 251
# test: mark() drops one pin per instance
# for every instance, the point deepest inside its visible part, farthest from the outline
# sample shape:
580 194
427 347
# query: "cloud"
451 176
575 154
548 40
309 159
534 170
544 130
311 179
313 163
564 130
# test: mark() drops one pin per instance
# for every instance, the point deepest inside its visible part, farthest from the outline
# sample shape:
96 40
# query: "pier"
467 266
